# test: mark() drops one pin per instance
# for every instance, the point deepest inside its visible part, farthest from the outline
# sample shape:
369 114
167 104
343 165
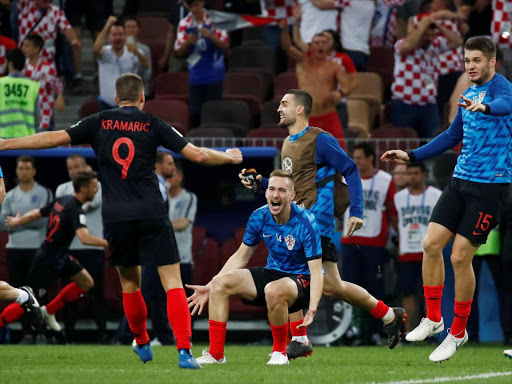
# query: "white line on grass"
445 379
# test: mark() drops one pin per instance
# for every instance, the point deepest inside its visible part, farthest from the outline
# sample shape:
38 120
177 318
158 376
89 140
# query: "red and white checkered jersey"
6 44
53 20
415 74
280 9
190 21
384 23
501 25
453 60
45 73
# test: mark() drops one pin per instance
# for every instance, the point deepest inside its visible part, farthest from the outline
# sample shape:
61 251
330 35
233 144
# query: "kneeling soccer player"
291 280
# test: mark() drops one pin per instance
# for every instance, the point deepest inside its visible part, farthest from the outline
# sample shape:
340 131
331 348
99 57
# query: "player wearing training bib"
469 204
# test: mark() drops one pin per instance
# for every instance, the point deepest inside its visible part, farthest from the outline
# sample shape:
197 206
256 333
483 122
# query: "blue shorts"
409 278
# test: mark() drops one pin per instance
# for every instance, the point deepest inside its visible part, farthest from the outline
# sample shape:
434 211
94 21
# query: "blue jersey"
330 157
291 245
486 138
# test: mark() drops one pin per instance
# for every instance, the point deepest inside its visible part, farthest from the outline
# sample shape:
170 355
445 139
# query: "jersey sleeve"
1 173
169 137
446 140
45 211
348 64
502 93
311 238
253 229
79 220
328 151
84 131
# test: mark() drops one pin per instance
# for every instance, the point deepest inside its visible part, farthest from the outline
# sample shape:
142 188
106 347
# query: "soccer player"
291 280
52 259
136 222
469 204
314 156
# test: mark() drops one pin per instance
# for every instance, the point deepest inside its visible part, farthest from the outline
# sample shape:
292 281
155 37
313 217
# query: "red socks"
217 339
380 310
11 313
136 313
68 294
297 331
433 299
179 317
280 336
460 318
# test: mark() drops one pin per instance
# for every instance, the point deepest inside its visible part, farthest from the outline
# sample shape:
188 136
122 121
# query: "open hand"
308 319
354 223
199 298
396 155
470 106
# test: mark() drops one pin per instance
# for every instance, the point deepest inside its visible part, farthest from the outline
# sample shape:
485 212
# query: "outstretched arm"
15 221
38 141
317 284
210 157
87 239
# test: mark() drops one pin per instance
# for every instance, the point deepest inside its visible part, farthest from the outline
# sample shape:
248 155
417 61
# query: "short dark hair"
417 164
302 98
82 179
283 173
128 87
367 148
36 40
179 166
26 159
338 47
131 18
76 156
160 156
483 44
17 58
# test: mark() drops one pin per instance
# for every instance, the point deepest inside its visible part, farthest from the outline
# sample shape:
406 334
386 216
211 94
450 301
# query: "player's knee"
3 285
88 284
432 246
220 284
273 294
460 259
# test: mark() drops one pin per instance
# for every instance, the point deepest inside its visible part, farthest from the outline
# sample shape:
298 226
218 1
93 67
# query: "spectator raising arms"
204 47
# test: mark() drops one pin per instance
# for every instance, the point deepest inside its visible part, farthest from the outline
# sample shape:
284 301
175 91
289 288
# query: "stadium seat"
174 112
247 86
283 82
198 239
267 137
252 36
358 118
269 114
153 29
207 262
257 57
238 129
172 86
388 137
226 111
212 137
88 108
369 90
382 61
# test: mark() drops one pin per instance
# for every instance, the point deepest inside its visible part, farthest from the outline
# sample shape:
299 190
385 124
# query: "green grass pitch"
114 364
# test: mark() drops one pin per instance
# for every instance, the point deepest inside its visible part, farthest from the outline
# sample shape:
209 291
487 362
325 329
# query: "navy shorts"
470 209
263 276
142 242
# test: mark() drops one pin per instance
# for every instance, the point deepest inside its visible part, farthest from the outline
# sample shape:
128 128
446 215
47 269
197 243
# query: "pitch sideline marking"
487 375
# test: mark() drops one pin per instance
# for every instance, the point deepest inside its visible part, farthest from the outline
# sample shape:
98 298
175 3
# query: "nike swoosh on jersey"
267 235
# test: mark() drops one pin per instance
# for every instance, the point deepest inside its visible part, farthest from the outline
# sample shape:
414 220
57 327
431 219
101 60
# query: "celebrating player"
314 156
291 280
469 204
52 259
136 222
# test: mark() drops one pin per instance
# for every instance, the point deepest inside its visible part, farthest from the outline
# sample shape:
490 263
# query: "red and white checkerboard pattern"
189 22
280 9
45 73
501 22
387 36
453 60
6 44
53 21
416 74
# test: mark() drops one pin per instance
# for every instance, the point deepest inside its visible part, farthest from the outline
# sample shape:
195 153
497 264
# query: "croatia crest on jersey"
290 242
481 97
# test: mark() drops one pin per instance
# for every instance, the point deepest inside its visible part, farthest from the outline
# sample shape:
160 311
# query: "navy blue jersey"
486 138
65 216
291 245
125 141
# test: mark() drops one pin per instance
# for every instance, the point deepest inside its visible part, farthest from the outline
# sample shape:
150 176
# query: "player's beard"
286 123
483 78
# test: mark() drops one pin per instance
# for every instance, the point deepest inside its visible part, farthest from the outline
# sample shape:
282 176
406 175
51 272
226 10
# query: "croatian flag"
231 21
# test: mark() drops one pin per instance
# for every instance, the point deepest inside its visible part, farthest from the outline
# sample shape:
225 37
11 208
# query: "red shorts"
330 122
